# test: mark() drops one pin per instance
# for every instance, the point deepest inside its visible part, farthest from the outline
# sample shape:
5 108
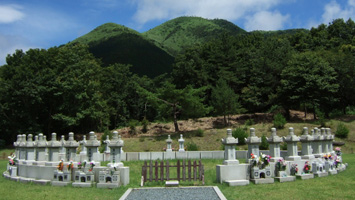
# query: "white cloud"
149 10
10 13
8 45
334 11
266 20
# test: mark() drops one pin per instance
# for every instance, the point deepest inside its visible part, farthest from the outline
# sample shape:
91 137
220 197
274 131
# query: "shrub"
191 146
132 126
342 131
321 118
199 133
249 122
283 146
145 124
241 134
264 144
279 121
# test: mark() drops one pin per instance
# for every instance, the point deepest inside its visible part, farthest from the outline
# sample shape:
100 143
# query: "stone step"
237 182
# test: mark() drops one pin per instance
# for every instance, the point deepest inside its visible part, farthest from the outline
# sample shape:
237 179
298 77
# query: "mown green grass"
338 186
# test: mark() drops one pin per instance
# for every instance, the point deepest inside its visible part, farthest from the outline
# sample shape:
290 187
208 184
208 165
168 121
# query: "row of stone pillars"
52 151
320 142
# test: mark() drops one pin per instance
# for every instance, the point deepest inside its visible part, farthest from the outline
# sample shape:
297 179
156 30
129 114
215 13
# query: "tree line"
66 88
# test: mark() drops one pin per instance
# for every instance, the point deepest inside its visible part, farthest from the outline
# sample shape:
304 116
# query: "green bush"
279 121
132 126
145 124
264 144
241 134
249 122
191 146
283 146
199 133
342 131
321 118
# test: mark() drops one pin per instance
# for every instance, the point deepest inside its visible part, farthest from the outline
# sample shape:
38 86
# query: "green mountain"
182 32
113 43
152 53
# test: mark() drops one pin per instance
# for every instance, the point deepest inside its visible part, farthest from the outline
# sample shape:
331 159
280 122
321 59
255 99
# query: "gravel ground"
205 193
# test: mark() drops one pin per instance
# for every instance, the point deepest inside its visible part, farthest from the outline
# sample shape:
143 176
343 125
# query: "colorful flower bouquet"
338 151
92 164
254 160
328 157
281 165
307 168
60 165
81 165
264 159
70 166
294 169
12 160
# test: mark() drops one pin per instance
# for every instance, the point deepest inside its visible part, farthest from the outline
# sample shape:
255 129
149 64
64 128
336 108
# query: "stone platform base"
321 174
26 180
171 183
41 181
60 183
237 182
78 184
262 180
305 176
107 185
15 178
333 172
285 179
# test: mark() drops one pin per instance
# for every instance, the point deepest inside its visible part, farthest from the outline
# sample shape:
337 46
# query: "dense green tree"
173 103
308 79
51 90
224 100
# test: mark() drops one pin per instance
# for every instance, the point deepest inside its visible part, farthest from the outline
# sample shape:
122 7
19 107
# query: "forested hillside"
67 88
113 43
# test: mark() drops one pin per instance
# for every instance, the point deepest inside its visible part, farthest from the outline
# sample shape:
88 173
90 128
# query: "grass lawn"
340 186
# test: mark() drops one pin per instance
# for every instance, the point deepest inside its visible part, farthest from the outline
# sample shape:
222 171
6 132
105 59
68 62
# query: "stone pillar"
253 144
181 143
168 144
330 140
41 148
62 151
306 140
229 149
107 151
70 147
92 146
83 152
17 146
22 146
291 140
274 146
53 148
325 141
116 145
318 139
30 146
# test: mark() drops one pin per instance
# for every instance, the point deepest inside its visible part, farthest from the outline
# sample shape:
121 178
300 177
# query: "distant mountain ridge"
152 53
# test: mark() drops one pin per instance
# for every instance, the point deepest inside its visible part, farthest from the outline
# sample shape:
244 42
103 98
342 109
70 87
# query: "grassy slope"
212 138
177 34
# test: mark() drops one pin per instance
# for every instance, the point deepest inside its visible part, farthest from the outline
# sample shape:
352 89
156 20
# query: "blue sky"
28 24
